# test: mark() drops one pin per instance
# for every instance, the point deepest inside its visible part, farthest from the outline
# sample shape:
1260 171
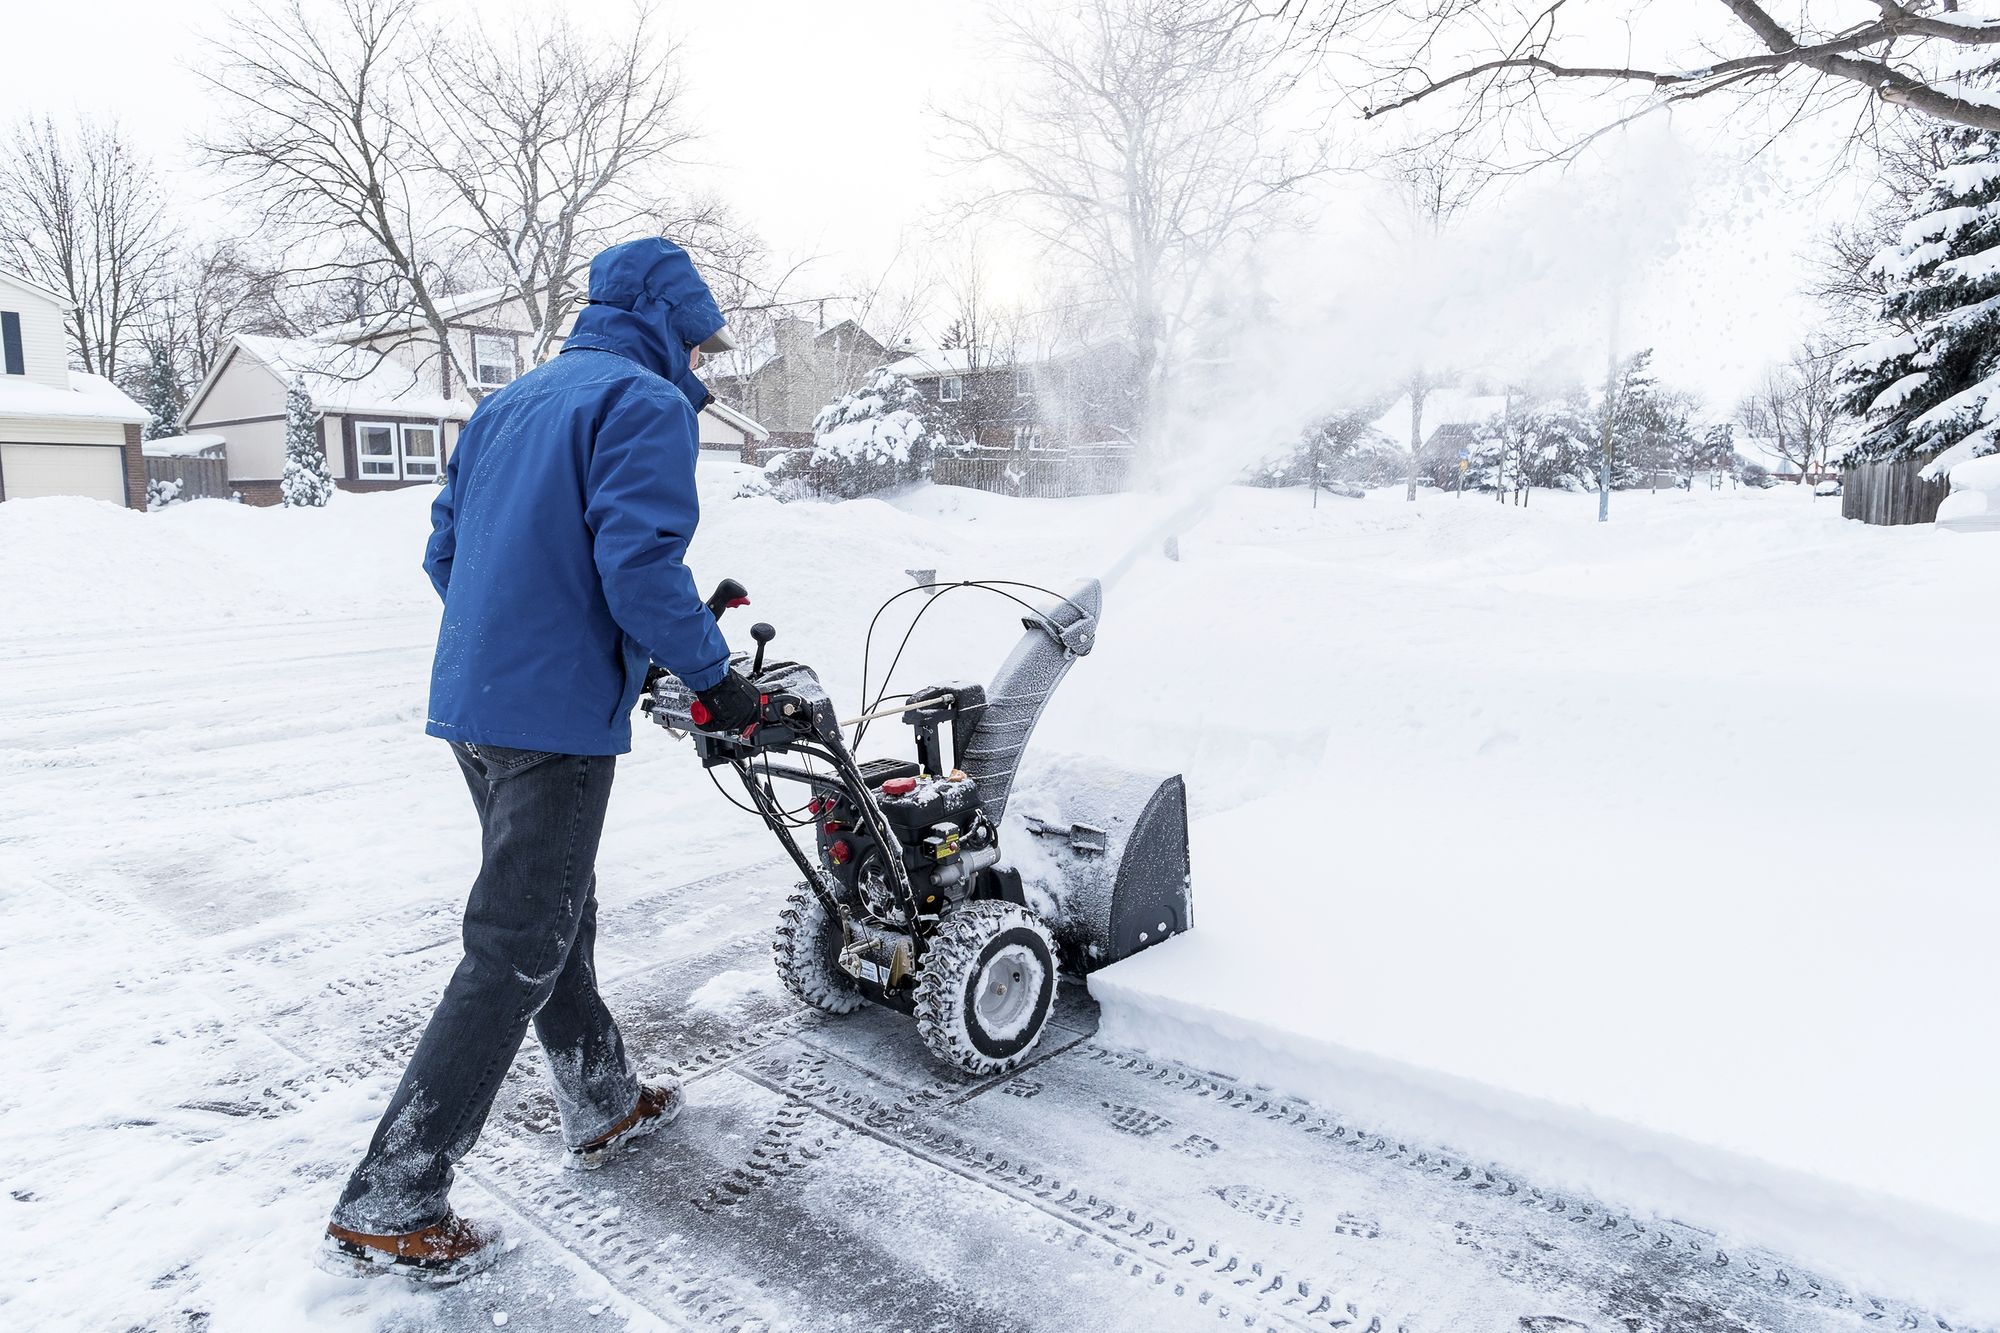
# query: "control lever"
727 593
763 634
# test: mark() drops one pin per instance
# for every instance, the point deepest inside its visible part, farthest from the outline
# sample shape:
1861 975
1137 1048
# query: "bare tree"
1433 186
1139 148
209 291
318 104
82 214
1793 411
1845 279
551 142
1520 47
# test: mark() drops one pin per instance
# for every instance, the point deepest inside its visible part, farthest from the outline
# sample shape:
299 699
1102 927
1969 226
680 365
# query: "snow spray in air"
1507 291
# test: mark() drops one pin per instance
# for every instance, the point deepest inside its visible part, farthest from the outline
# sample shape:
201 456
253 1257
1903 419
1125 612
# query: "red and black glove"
731 704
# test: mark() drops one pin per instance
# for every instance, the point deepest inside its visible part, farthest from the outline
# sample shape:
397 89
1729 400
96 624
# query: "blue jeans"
529 929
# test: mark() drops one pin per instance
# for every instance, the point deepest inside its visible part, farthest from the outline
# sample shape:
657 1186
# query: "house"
62 432
1080 397
390 403
381 425
799 370
1451 420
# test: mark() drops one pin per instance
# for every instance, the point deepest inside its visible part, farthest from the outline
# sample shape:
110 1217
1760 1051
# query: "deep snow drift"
1651 854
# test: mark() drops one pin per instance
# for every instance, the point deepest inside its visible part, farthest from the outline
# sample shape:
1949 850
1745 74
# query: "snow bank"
1635 855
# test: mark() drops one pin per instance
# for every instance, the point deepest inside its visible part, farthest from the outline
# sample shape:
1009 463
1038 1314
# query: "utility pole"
1610 412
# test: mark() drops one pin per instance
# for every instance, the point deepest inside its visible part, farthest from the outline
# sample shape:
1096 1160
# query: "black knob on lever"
763 634
727 593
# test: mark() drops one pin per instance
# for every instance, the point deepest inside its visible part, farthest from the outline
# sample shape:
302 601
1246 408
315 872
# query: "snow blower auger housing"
907 900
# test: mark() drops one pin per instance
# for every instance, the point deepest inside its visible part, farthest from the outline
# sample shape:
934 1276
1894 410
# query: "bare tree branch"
320 135
82 214
1890 56
1139 151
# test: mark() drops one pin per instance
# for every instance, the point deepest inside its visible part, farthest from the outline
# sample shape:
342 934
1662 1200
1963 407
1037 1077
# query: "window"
1028 437
10 340
951 389
420 452
375 449
492 359
386 451
1024 382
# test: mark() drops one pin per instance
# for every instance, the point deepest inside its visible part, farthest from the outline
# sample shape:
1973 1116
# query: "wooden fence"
1052 476
1890 494
200 478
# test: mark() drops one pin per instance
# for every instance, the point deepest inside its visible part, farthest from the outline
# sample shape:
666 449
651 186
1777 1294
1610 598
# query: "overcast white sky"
816 125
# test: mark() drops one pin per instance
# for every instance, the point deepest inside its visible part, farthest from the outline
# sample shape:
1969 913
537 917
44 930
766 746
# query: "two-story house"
1044 402
797 372
390 404
62 432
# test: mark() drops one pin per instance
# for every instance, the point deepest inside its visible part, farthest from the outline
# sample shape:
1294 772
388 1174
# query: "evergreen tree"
1938 386
1545 443
158 389
1649 426
883 434
306 480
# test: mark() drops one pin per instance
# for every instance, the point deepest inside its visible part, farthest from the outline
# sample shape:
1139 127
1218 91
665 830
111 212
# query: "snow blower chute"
907 899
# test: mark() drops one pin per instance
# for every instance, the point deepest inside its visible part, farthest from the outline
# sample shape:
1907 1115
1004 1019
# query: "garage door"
95 470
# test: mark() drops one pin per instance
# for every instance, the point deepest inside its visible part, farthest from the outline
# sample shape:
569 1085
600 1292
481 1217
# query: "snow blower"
907 899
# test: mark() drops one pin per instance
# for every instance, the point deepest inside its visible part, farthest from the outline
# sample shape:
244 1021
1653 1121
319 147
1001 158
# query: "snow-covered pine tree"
306 480
876 437
157 389
1937 388
1638 421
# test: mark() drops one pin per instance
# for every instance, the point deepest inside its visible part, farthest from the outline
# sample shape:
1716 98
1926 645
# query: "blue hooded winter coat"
557 541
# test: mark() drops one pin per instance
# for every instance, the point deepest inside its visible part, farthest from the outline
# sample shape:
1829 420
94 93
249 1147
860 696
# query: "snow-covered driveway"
231 866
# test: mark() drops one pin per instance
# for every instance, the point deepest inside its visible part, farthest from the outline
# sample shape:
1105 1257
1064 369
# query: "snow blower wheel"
984 991
806 949
906 901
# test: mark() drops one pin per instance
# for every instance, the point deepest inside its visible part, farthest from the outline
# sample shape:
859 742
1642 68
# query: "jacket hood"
647 303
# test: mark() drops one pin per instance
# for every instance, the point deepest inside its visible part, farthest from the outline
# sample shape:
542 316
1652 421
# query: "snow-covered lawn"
1655 856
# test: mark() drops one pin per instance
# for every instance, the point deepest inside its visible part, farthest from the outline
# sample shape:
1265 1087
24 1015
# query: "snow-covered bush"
1937 387
877 437
1758 477
1344 449
161 492
306 480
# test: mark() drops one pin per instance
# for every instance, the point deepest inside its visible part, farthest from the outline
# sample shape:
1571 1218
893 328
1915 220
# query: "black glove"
731 703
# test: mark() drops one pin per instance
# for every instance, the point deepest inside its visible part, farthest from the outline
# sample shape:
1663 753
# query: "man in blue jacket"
557 546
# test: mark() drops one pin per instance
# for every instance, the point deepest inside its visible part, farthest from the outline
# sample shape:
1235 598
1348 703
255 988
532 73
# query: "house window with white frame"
393 451
420 452
492 360
1024 381
375 452
951 389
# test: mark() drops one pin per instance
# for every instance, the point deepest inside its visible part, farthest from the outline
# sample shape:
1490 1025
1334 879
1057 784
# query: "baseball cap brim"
719 341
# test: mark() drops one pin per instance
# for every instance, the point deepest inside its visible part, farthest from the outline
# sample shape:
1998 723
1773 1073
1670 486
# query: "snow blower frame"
907 901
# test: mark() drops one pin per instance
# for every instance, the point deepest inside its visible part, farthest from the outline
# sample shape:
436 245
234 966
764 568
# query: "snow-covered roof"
762 354
404 321
349 379
924 363
183 446
90 397
740 421
1442 407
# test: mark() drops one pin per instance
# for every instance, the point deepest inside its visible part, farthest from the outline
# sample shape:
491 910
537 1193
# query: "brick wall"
135 469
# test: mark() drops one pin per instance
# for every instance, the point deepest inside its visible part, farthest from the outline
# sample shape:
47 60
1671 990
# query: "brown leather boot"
441 1254
658 1104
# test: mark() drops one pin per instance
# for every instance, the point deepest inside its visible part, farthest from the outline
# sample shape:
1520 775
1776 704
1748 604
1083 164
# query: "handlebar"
727 593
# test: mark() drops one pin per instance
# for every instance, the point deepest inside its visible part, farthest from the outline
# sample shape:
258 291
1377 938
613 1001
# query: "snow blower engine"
907 899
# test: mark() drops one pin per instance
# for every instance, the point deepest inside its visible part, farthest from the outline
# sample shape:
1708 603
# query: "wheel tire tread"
801 961
940 994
